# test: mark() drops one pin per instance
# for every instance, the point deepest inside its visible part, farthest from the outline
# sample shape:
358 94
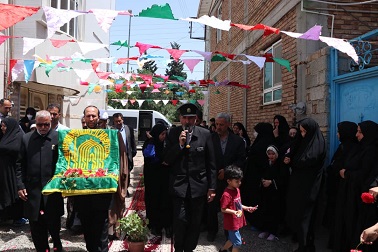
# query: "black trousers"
93 212
187 213
40 230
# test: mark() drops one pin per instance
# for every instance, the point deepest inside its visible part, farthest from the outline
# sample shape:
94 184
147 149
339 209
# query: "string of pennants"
165 102
55 18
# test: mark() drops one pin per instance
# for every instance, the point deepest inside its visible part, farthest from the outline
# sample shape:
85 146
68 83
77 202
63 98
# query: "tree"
175 68
149 67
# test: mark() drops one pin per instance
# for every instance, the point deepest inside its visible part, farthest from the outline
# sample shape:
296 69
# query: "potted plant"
136 231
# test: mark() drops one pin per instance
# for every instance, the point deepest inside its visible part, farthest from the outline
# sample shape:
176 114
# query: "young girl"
232 208
269 205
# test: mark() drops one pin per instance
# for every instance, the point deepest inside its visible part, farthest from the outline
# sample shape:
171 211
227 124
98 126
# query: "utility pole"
128 48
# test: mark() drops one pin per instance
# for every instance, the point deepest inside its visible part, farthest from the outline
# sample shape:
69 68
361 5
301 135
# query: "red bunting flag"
95 64
142 87
267 29
59 43
124 60
12 63
175 53
227 55
174 102
11 14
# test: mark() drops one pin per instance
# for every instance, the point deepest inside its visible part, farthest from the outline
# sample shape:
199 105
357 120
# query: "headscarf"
11 140
264 138
369 129
157 130
245 135
283 127
272 148
347 131
312 149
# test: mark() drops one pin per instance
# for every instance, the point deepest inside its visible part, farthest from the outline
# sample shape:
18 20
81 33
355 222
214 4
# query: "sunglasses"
43 124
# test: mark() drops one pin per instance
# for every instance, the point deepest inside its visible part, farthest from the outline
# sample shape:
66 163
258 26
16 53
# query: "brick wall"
312 83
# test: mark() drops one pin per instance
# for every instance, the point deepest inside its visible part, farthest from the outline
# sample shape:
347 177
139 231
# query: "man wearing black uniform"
191 160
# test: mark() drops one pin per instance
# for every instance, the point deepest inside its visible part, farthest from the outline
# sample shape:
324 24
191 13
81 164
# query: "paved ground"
19 239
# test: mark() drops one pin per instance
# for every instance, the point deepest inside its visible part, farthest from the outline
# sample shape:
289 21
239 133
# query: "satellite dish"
299 108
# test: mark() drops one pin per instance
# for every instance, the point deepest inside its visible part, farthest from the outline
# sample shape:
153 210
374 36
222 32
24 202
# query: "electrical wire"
344 4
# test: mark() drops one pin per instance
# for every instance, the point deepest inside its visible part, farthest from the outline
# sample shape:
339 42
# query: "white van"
140 120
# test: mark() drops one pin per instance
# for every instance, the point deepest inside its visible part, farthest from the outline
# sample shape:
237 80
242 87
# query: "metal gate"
354 87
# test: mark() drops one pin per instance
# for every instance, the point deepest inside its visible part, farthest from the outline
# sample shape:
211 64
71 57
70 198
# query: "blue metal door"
359 100
354 93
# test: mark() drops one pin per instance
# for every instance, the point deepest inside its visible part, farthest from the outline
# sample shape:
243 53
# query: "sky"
158 32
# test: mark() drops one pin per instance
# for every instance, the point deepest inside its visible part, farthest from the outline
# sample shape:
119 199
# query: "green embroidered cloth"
88 163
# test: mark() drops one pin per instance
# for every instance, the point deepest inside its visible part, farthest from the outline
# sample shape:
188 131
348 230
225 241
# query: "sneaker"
20 222
263 235
271 237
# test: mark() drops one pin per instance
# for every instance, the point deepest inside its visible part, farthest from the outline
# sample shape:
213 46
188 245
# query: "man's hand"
210 195
23 194
221 174
369 235
374 191
182 137
342 173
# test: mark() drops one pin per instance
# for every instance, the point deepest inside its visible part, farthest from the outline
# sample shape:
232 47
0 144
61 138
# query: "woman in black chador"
9 147
254 169
25 121
156 178
306 162
280 131
336 186
358 175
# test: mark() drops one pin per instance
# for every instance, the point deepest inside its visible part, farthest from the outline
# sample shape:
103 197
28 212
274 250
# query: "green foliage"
149 67
175 68
134 227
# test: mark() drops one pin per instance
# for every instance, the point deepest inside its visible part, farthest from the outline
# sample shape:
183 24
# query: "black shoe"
127 194
168 232
211 237
224 250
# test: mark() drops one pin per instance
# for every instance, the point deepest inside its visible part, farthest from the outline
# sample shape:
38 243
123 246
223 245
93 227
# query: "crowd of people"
28 162
193 172
282 175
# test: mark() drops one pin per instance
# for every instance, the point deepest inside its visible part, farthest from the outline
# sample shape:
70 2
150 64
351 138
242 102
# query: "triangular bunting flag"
104 17
267 29
56 18
83 73
88 47
201 102
143 47
3 38
28 69
206 55
57 43
140 102
174 102
212 22
11 14
165 102
313 33
175 53
283 62
30 43
158 11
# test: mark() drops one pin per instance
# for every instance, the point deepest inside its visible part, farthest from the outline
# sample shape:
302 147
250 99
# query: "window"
219 15
70 27
273 76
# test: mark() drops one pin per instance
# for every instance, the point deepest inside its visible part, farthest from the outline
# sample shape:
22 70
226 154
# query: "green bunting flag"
88 163
218 57
121 44
283 62
158 11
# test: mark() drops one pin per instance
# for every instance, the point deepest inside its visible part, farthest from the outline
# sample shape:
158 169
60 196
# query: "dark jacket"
192 168
38 156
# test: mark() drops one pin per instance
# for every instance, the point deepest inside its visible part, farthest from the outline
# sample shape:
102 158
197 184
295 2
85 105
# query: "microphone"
189 130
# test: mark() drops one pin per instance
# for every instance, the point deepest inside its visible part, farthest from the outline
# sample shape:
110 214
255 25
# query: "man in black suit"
38 157
190 156
96 211
128 138
229 150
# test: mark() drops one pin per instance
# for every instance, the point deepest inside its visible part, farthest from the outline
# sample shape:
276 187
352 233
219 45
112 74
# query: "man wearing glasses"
38 157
